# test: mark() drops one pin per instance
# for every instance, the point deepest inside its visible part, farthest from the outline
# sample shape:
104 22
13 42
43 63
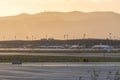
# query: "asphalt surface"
68 54
60 71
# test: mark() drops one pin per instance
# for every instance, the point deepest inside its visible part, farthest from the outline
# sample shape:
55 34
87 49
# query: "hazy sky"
13 7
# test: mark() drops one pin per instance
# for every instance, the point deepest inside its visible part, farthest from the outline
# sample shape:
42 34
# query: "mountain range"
58 24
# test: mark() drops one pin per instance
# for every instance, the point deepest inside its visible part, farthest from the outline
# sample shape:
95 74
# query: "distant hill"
88 43
56 24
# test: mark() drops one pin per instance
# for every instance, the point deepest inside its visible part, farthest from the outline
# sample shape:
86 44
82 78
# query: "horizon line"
58 12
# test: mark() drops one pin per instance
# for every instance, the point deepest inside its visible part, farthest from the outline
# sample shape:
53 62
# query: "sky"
14 7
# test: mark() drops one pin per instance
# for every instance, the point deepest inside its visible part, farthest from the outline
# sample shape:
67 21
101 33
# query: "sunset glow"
13 7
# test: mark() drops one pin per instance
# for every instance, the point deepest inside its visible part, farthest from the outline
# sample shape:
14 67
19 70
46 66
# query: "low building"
55 47
76 47
102 47
51 47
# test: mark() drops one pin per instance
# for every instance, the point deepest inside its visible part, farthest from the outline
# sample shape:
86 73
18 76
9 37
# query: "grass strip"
31 58
60 51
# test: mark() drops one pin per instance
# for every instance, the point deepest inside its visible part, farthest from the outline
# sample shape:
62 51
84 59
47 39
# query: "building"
102 47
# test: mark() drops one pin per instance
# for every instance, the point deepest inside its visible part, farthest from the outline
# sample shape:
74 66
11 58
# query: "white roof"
102 46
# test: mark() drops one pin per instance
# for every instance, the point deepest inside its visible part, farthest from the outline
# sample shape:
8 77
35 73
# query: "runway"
66 54
58 71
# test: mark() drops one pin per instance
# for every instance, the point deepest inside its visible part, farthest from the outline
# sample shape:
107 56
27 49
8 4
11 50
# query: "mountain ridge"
56 24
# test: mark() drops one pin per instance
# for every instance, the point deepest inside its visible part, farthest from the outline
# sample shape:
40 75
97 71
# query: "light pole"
27 37
46 36
32 37
110 38
84 35
110 35
15 37
3 37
